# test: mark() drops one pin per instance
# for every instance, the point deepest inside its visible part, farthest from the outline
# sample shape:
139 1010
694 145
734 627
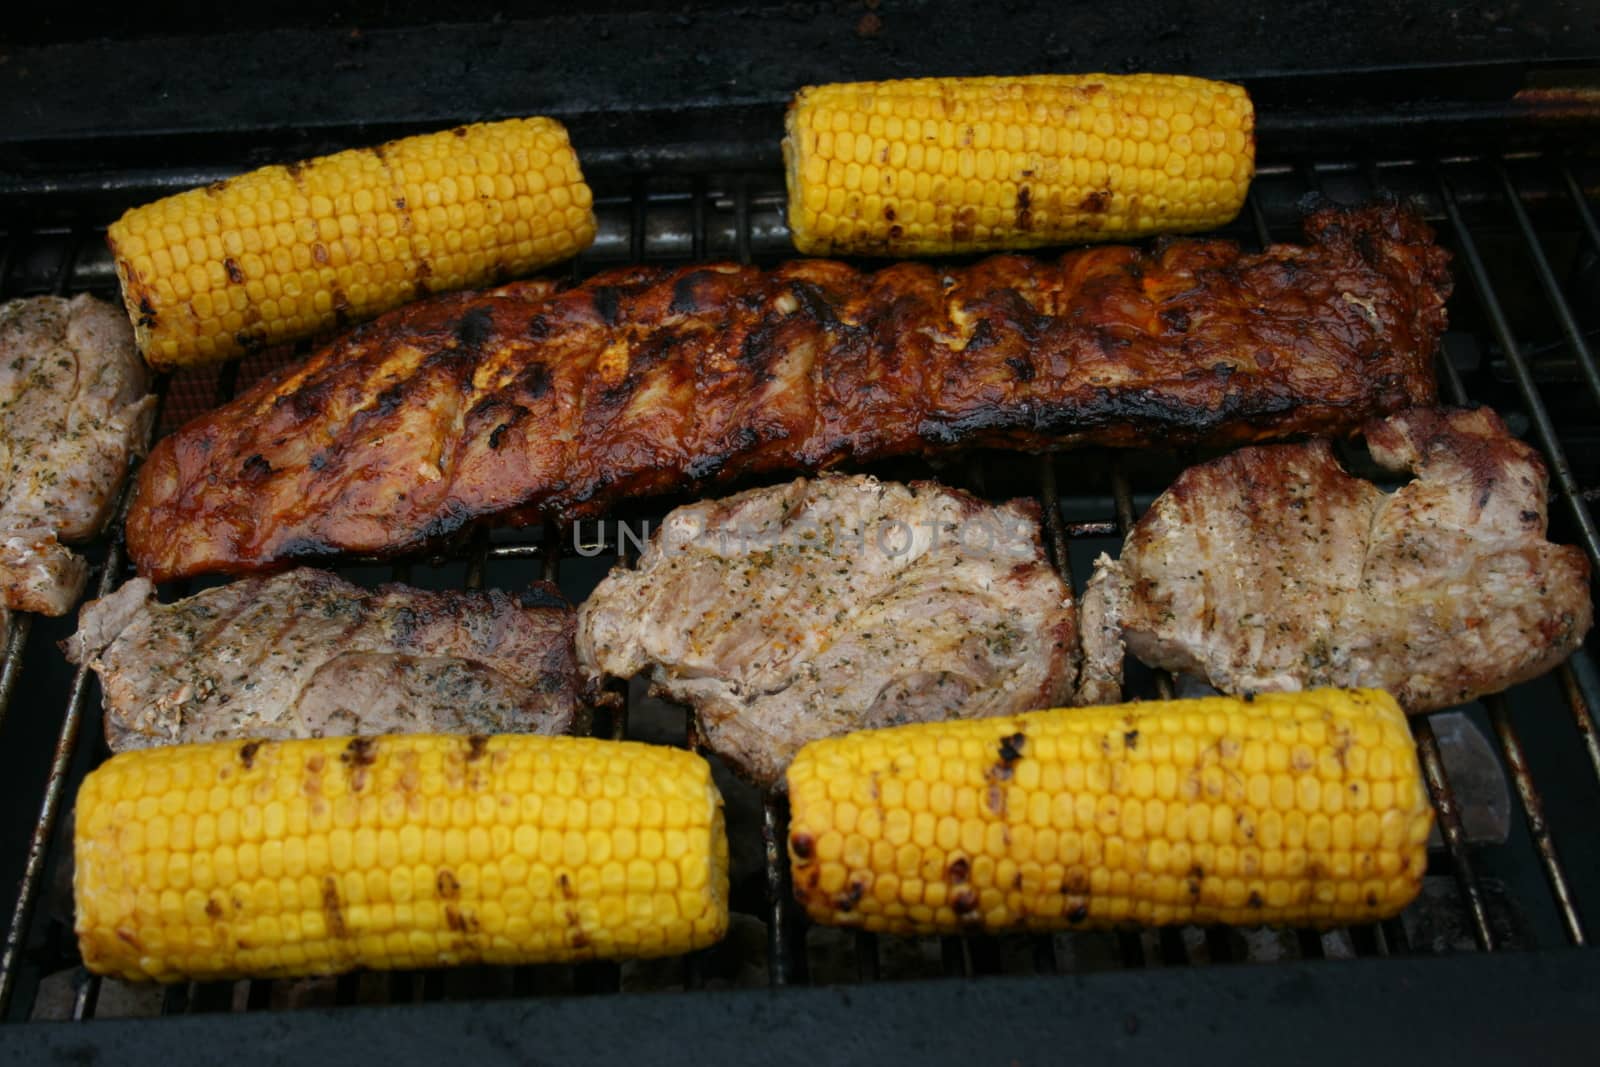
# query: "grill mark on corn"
1024 208
360 754
247 753
446 885
1097 202
333 908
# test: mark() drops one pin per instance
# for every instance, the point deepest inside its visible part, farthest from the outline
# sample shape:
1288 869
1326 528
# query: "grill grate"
1513 345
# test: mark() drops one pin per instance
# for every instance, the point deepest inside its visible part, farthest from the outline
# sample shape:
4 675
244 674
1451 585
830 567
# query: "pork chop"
843 603
73 410
1273 569
307 654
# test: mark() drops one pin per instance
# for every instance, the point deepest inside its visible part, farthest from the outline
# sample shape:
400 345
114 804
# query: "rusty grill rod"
1533 810
1548 282
1455 838
1581 716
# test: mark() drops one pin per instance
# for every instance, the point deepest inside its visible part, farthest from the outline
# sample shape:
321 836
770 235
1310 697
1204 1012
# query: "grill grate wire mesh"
739 216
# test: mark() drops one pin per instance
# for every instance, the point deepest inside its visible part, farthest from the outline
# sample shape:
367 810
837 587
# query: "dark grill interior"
1515 778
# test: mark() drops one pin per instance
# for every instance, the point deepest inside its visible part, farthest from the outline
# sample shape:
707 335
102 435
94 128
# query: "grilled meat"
1273 569
518 401
73 409
819 607
307 654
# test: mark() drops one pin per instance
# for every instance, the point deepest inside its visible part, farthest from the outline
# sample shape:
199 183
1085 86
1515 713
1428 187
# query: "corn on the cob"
313 857
931 166
1292 808
284 252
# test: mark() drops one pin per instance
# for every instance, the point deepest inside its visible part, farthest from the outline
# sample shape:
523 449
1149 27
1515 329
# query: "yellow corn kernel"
981 164
1140 813
320 856
347 236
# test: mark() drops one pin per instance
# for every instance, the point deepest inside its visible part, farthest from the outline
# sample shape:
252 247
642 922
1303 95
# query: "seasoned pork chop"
811 609
1273 569
73 409
307 654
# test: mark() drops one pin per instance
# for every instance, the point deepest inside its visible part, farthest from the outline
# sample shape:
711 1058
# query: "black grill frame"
723 199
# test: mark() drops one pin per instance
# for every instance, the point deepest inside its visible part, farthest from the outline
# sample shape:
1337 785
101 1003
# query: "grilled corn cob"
931 166
1304 808
284 252
314 857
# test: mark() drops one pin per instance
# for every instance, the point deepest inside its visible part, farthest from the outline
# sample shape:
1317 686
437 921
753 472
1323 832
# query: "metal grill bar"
11 667
1455 838
1533 809
1581 716
50 809
1548 282
1581 204
1549 442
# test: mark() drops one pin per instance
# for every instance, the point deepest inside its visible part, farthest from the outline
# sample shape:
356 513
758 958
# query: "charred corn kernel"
1305 808
285 858
284 252
931 166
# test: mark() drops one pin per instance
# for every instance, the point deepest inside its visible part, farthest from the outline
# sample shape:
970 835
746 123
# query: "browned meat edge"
510 403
